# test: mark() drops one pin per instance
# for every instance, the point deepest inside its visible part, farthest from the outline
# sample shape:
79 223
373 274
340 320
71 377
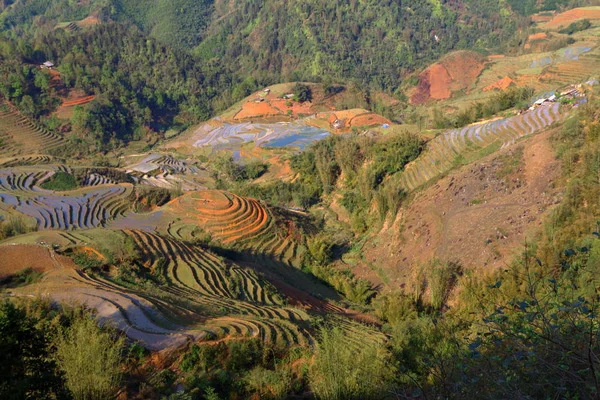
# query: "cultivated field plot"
566 18
21 136
443 151
34 159
243 223
546 72
201 297
67 108
164 171
232 137
79 209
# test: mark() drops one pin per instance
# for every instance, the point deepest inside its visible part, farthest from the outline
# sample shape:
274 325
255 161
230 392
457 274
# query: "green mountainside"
299 199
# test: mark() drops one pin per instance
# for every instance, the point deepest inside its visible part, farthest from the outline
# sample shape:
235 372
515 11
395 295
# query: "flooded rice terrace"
231 137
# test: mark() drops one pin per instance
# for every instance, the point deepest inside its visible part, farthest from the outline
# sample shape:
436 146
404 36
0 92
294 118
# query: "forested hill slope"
370 41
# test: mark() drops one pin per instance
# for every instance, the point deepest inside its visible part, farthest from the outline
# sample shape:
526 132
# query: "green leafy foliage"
91 360
340 371
26 371
510 98
302 93
577 27
14 226
61 181
87 261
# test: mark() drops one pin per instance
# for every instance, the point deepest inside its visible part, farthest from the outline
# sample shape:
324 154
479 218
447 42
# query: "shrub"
576 27
13 227
90 359
61 181
243 354
255 169
28 276
340 371
87 261
302 92
268 384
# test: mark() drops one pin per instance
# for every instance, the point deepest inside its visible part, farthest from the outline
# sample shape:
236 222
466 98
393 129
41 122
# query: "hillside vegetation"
302 199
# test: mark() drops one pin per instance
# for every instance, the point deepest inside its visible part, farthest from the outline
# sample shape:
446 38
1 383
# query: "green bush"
340 371
90 358
13 227
61 181
302 93
87 261
576 27
270 384
27 370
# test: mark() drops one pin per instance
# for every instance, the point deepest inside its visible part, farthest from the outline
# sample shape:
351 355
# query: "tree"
90 359
26 370
302 93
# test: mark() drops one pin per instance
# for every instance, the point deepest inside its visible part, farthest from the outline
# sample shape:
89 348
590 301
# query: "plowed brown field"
568 17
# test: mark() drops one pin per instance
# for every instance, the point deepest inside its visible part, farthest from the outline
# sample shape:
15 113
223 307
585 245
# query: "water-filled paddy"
281 134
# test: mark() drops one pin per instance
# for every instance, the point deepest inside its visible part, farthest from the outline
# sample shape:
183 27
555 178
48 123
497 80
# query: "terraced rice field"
195 269
243 223
78 102
23 181
579 70
94 179
159 171
25 160
19 135
442 151
199 287
231 137
73 210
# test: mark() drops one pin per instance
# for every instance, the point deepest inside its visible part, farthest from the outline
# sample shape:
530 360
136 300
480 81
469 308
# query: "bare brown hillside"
478 215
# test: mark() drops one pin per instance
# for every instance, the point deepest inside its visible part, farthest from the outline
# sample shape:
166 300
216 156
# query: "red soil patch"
19 257
536 40
502 84
345 116
457 71
78 101
252 109
568 17
439 80
496 57
369 120
89 21
90 251
541 18
281 168
296 107
537 36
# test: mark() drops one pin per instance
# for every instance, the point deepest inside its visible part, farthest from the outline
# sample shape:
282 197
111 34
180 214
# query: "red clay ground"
534 41
457 71
296 107
574 15
89 21
370 119
16 258
538 36
72 99
502 84
251 109
479 215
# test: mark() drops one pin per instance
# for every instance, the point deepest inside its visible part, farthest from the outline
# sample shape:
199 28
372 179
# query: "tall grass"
340 371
